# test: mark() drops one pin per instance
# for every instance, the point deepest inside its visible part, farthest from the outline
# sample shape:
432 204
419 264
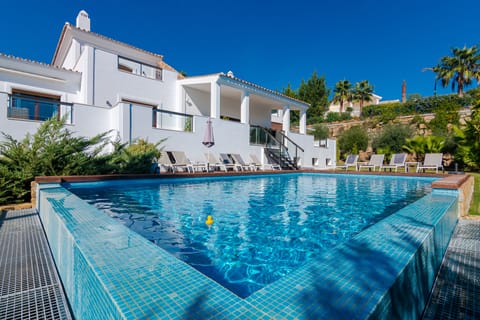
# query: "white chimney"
83 21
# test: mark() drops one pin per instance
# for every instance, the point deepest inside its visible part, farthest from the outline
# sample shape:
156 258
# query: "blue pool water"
264 226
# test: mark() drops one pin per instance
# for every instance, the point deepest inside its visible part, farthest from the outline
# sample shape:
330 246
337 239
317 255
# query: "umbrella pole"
208 160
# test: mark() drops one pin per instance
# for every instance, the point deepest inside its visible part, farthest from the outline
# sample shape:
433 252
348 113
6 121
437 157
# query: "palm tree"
461 68
342 93
362 92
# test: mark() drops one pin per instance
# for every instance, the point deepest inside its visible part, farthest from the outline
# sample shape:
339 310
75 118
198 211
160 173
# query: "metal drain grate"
458 283
41 303
29 285
468 229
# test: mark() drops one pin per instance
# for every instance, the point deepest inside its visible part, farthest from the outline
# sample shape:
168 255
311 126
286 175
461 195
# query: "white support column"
303 121
215 100
286 119
245 108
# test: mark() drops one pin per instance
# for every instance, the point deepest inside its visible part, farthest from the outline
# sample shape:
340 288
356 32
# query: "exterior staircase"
276 147
281 157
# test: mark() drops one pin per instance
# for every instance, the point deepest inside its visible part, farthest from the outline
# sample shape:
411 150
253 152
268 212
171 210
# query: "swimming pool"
264 227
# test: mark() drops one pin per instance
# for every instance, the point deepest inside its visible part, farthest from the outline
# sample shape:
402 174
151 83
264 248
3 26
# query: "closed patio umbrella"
208 140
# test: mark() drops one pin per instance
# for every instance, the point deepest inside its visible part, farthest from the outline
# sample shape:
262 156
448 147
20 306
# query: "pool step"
29 283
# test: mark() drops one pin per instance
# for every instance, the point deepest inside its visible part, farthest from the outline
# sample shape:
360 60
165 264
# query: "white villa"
100 84
355 105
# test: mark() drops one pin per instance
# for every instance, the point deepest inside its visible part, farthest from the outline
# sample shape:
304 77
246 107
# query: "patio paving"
30 287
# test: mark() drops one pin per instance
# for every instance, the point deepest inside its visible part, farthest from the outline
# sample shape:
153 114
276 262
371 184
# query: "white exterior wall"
66 90
260 116
230 137
141 122
196 102
230 107
90 120
313 157
327 157
85 66
73 55
114 85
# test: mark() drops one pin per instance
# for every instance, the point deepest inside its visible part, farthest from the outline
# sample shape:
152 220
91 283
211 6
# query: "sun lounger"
266 166
181 161
376 161
213 163
239 160
182 158
164 162
432 161
397 161
256 163
351 161
228 162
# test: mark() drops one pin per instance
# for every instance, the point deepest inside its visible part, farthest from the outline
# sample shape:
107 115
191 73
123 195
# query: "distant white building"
355 105
100 84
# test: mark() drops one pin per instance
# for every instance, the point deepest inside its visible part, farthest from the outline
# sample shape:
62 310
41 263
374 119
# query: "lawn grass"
475 205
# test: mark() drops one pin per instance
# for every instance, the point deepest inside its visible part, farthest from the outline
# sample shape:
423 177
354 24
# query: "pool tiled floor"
26 294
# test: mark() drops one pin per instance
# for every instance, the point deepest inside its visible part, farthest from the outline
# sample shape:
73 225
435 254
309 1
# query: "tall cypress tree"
315 92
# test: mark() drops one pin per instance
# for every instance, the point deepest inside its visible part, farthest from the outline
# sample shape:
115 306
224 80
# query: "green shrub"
332 117
417 105
315 119
468 142
336 116
392 138
443 121
353 140
135 158
54 151
474 95
14 186
421 145
320 131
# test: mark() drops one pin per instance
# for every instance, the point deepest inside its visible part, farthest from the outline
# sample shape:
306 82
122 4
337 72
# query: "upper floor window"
33 106
139 68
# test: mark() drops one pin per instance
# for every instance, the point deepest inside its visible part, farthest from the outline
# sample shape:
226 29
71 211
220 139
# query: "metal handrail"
297 147
283 149
293 142
268 135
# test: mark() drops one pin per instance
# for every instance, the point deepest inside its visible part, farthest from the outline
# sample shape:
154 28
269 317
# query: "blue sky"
270 43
